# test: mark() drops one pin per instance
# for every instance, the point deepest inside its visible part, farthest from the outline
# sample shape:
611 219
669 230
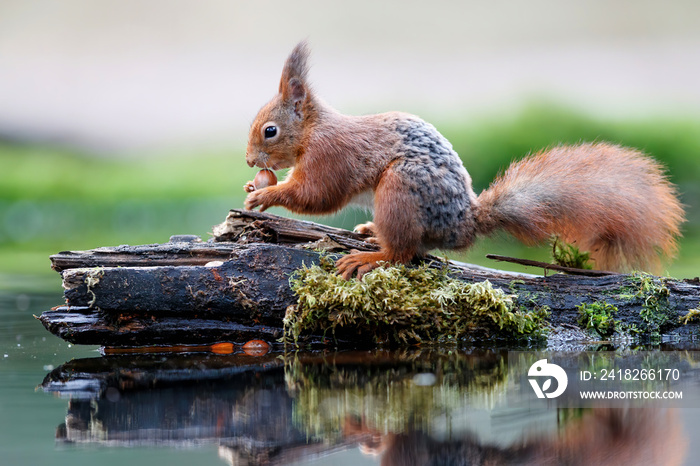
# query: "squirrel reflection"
603 436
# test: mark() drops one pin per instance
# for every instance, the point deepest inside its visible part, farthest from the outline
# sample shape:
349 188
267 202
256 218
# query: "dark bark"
173 294
240 228
87 326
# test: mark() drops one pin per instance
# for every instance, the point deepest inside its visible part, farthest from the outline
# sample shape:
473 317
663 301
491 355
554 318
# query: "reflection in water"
410 408
602 436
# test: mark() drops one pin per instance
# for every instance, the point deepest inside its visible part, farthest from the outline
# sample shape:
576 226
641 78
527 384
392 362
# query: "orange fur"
396 231
609 200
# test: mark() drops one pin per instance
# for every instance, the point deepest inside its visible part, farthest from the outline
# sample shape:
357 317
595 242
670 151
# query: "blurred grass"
54 199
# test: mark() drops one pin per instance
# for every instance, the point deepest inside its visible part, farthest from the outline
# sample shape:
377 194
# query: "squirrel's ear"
293 82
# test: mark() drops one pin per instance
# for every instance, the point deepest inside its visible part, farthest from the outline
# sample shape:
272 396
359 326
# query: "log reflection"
411 408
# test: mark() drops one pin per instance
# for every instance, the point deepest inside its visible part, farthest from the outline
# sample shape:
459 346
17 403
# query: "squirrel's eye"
270 132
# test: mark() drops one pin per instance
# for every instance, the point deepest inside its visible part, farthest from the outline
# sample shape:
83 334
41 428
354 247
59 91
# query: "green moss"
599 317
693 314
92 278
398 304
653 295
568 255
512 286
655 306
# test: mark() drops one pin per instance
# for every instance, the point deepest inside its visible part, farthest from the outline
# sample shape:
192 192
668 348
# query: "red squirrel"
612 201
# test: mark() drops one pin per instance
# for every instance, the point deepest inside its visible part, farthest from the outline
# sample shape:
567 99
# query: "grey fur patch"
434 173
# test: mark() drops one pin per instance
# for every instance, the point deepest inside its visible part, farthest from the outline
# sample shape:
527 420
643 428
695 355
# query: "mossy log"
235 287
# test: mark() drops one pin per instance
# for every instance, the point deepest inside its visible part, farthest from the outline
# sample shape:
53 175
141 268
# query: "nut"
264 178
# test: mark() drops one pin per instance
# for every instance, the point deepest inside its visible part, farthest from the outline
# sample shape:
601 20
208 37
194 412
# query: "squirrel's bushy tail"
611 201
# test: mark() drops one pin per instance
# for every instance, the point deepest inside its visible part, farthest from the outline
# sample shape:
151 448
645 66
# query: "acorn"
264 178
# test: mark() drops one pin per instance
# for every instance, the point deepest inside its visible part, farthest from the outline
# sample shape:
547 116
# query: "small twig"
352 243
547 266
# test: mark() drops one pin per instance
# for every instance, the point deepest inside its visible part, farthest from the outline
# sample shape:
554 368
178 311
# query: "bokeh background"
124 122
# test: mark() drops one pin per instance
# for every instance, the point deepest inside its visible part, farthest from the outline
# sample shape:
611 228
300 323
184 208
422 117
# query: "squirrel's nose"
249 160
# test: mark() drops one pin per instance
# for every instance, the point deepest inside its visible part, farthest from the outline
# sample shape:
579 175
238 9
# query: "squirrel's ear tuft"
293 82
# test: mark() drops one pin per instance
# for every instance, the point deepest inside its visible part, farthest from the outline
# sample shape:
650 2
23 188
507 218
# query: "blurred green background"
54 199
124 122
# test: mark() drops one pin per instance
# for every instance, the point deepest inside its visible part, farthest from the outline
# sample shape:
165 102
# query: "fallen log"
235 287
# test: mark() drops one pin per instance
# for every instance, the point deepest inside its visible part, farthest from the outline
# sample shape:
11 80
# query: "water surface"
66 404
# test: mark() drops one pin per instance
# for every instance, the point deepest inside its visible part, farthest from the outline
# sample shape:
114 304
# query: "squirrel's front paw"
255 199
249 187
368 229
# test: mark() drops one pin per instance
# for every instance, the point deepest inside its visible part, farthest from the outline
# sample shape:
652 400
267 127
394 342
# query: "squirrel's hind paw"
360 262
